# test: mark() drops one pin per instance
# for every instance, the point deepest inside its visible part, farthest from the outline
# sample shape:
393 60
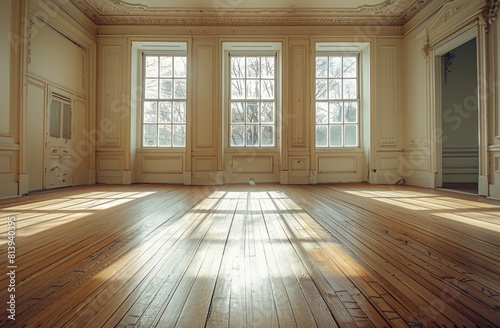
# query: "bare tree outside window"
337 101
252 112
164 101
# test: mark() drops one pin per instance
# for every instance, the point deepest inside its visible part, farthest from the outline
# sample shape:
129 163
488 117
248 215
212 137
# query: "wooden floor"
253 256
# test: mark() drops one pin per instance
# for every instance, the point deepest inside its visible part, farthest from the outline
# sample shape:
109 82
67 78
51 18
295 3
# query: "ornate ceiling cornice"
117 12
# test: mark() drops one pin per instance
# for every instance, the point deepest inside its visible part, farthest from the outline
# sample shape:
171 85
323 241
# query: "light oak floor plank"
339 255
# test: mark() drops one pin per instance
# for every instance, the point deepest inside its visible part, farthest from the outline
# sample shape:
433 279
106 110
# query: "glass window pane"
179 112
253 89
150 135
151 66
267 89
238 89
150 112
321 136
252 135
334 87
321 112
237 112
335 67
164 136
237 135
180 68
180 89
151 89
166 67
267 134
321 89
237 67
349 67
267 67
351 112
166 89
66 128
252 114
267 112
165 112
55 118
351 135
335 112
179 139
350 89
321 66
335 135
253 67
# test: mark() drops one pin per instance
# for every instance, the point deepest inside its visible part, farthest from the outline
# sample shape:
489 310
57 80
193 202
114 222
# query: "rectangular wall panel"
111 115
388 111
162 164
338 164
297 119
253 164
204 90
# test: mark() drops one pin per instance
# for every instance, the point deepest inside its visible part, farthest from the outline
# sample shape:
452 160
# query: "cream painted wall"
5 30
204 161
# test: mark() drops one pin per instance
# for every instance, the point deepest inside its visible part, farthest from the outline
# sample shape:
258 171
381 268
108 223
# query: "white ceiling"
250 12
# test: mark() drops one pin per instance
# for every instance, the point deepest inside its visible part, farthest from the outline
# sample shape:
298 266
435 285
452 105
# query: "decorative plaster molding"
30 29
117 12
491 13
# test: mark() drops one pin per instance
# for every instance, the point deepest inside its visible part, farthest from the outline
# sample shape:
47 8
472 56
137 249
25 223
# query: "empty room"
234 163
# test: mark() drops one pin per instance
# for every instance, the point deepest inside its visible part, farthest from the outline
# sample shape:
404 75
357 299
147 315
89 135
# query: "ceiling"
250 12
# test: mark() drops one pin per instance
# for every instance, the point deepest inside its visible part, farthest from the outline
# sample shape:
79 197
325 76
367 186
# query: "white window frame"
357 100
182 52
252 49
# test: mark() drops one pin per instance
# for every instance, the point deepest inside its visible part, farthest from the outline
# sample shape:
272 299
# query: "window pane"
253 67
351 112
253 89
164 136
252 135
321 89
180 89
350 68
237 135
335 135
350 89
150 112
267 89
166 66
335 112
351 135
238 89
165 113
55 118
237 112
334 86
179 136
179 113
237 67
180 67
151 66
322 136
166 89
267 67
149 135
267 135
252 112
321 112
66 133
335 67
321 66
267 112
151 89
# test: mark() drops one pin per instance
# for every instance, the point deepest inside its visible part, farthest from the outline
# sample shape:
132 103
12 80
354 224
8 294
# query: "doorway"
459 156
